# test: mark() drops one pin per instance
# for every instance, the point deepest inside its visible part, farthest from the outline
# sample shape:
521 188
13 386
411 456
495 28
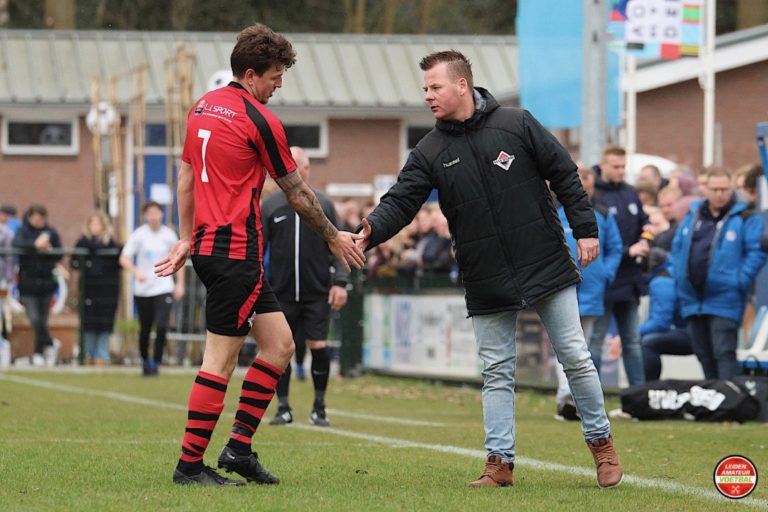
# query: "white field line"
67 440
141 401
652 483
385 419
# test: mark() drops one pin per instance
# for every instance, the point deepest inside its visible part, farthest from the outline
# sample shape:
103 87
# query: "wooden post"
117 171
138 123
96 144
179 79
170 139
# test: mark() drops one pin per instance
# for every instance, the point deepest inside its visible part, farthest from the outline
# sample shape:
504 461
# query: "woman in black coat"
101 271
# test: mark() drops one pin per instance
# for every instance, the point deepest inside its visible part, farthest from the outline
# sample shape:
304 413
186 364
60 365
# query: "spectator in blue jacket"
595 278
8 217
623 295
716 255
664 332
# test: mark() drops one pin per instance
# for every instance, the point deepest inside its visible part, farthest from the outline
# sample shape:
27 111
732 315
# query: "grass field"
109 441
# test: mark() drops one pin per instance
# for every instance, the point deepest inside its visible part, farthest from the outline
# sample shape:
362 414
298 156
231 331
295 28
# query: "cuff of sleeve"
588 231
338 282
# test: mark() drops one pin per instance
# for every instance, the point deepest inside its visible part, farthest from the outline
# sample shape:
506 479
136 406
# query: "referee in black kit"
300 274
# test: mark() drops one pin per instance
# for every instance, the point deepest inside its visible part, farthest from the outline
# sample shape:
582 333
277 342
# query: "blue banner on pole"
549 36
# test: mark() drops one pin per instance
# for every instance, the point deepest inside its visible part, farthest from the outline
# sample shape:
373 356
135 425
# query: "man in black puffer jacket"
490 166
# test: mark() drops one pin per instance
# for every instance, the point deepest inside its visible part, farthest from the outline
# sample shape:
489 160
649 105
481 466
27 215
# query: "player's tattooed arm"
304 201
342 244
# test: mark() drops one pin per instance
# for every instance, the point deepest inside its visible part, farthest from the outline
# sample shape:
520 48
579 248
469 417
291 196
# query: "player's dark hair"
258 47
458 65
36 209
751 176
150 204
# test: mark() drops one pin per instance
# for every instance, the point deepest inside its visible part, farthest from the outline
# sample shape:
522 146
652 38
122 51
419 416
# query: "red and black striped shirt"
231 141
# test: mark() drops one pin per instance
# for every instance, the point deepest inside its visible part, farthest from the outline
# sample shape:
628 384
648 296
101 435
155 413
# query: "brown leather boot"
495 474
609 472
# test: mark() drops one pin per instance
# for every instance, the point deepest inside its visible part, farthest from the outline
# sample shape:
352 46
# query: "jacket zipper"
487 188
716 241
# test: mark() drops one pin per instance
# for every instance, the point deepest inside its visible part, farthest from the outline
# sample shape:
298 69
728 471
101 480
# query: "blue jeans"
714 341
563 394
631 350
97 346
495 335
674 342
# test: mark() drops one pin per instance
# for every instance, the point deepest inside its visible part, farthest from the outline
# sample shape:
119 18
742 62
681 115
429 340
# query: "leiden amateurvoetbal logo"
735 477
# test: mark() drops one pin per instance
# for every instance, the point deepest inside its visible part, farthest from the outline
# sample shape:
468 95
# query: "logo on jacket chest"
452 162
504 160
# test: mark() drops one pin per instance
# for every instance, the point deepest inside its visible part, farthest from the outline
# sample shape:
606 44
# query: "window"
410 135
154 135
312 137
40 137
304 136
415 134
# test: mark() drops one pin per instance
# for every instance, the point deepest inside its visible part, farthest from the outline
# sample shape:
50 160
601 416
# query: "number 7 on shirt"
206 136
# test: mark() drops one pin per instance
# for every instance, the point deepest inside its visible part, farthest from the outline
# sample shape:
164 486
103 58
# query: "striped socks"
206 402
258 390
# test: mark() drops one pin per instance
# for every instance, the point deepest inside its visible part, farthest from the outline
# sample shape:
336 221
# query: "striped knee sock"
258 390
206 402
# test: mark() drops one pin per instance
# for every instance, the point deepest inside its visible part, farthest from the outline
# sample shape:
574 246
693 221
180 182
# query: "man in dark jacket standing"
37 240
622 297
299 273
489 165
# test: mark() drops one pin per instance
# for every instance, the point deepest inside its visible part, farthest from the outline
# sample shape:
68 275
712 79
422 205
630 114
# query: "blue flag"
550 44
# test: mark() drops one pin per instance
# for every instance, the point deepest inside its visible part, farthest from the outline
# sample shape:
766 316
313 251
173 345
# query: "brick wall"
670 119
357 150
64 184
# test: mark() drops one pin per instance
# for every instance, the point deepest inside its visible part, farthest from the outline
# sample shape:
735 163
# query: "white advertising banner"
419 334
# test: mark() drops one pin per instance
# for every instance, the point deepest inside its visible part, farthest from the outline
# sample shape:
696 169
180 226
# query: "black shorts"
308 320
235 291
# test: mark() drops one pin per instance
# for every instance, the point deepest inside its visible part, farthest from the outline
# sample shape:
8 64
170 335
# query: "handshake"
349 247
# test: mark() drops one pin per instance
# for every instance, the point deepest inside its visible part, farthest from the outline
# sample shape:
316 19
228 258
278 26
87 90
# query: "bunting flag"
657 29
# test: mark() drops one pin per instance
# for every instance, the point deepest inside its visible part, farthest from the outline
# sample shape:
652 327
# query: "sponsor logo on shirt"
280 218
208 109
452 162
504 160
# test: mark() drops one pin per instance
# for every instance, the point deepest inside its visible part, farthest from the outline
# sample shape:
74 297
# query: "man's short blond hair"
458 65
614 149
